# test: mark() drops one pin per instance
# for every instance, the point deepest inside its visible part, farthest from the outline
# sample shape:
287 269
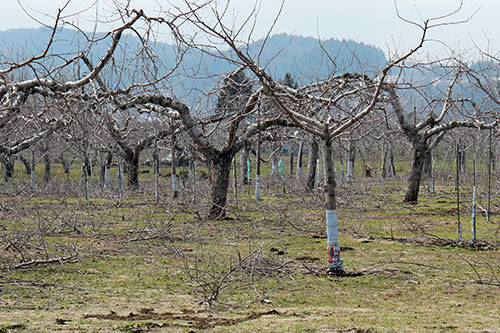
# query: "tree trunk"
88 166
419 151
192 174
210 168
300 154
350 161
105 169
8 168
175 186
27 165
383 168
427 168
33 169
102 173
220 184
65 164
132 167
46 174
274 167
391 163
291 152
335 262
311 165
244 166
493 162
461 160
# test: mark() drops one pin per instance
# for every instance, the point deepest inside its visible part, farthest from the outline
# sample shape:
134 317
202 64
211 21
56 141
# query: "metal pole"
490 157
457 187
474 200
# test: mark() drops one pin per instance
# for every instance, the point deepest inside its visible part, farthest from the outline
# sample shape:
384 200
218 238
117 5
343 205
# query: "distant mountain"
304 57
307 56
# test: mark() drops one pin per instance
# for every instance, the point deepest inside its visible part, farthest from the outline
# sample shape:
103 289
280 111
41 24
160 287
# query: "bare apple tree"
327 109
441 112
30 90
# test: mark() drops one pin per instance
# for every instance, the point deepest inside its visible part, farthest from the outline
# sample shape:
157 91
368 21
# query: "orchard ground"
124 261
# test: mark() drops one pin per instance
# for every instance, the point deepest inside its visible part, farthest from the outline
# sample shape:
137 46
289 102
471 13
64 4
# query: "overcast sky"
371 21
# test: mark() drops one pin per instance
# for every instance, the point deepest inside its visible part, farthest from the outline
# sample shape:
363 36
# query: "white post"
474 203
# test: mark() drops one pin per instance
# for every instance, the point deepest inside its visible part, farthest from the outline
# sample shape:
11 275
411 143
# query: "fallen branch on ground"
38 262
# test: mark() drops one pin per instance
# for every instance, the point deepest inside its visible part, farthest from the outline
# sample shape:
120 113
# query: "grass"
144 265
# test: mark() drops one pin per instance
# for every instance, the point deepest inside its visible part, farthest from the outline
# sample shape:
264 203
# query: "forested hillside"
304 57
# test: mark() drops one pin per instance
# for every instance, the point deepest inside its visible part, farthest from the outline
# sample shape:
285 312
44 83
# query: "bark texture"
300 154
419 152
132 167
243 165
312 164
222 168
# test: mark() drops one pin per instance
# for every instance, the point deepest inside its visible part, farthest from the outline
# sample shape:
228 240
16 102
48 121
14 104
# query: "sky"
373 22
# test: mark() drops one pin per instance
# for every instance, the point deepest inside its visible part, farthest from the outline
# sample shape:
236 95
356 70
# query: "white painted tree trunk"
274 167
33 179
107 181
335 262
175 186
257 187
350 170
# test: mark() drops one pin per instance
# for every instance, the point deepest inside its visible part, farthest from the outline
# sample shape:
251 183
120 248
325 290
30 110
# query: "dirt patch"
9 328
434 241
307 258
324 273
190 320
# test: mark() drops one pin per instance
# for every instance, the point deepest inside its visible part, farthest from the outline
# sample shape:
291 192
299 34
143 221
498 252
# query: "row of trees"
119 103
